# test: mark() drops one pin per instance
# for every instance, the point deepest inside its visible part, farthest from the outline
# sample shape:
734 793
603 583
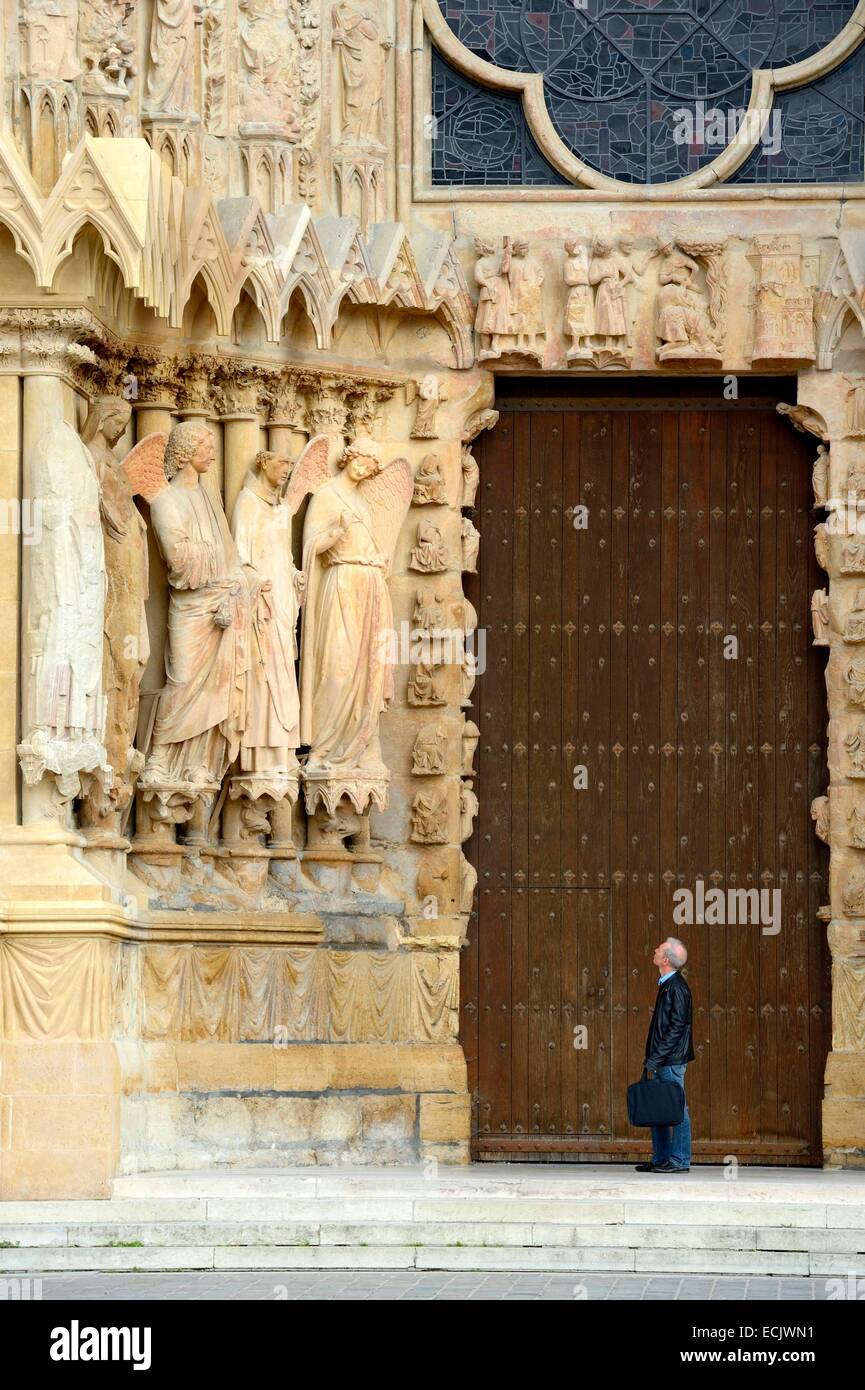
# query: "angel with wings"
201 709
262 533
349 539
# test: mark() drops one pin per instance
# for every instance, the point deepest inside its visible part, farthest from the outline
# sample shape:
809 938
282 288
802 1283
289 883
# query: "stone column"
156 403
286 433
10 591
241 422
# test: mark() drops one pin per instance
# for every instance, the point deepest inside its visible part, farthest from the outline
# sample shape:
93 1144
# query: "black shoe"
668 1167
644 1167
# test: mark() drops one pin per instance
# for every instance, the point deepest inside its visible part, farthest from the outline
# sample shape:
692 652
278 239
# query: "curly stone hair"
183 441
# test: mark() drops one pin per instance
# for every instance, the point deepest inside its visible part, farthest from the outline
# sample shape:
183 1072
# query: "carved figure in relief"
526 278
172 56
820 817
270 77
471 540
429 613
468 677
468 884
493 321
684 324
853 894
852 558
262 533
856 480
468 810
349 538
429 819
821 546
856 411
471 478
856 823
429 555
64 705
360 55
854 629
856 683
820 617
428 754
429 396
49 30
201 709
855 745
107 49
820 476
425 685
126 646
470 736
429 484
580 307
608 274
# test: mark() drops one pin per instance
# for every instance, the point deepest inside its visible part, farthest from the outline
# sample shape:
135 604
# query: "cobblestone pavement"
421 1284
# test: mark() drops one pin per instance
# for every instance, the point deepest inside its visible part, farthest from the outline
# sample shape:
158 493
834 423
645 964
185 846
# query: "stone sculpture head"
108 416
189 443
601 246
273 468
483 247
361 459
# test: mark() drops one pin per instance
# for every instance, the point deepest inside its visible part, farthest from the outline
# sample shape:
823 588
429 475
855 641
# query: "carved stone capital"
327 407
241 390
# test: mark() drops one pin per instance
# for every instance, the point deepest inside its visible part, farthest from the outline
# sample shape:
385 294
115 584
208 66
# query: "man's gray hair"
677 954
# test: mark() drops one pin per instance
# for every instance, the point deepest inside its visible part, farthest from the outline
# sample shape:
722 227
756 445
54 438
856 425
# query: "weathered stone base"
844 1110
207 1104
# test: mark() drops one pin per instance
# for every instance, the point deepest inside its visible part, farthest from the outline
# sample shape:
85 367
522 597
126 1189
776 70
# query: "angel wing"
388 495
309 472
144 466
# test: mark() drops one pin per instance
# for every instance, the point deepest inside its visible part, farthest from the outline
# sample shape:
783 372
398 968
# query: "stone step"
416 1234
44 1260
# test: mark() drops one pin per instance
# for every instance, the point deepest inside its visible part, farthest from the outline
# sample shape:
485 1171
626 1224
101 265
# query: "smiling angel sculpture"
349 539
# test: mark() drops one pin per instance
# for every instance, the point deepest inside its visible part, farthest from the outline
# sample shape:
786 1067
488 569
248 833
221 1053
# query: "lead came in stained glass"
621 80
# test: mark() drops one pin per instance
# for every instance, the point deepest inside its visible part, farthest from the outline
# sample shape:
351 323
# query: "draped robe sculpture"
126 644
261 526
64 710
172 53
346 674
201 710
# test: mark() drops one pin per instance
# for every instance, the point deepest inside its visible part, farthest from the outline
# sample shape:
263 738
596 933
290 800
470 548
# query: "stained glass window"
647 91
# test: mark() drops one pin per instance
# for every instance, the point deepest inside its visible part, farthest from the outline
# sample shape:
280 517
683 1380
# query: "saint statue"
349 537
172 55
126 645
262 533
580 309
359 60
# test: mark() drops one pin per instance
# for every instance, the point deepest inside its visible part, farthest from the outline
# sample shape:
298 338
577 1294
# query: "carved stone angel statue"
262 533
199 717
349 538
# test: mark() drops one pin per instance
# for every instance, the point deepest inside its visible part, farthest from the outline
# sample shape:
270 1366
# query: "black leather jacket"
668 1043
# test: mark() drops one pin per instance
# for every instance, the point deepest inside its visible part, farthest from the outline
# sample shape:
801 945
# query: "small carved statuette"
855 745
468 810
425 685
470 480
429 396
856 823
853 894
468 884
470 736
429 613
429 819
429 555
856 411
820 477
471 540
856 683
429 486
820 817
689 317
820 617
428 754
854 630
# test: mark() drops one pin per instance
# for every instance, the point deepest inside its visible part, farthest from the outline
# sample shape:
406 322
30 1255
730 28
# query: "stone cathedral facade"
271 274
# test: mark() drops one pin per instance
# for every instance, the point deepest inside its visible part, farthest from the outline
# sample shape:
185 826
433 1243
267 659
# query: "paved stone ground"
427 1285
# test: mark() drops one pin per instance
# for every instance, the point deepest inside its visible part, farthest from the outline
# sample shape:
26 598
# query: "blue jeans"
673 1142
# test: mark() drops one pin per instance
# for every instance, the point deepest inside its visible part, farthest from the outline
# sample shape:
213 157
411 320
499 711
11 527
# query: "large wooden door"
607 648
